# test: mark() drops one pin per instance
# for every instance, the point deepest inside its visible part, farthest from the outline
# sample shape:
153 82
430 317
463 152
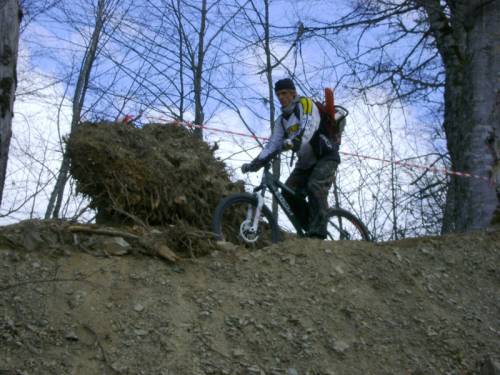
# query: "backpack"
332 117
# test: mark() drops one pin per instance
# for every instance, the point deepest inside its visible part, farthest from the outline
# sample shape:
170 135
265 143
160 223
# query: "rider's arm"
274 144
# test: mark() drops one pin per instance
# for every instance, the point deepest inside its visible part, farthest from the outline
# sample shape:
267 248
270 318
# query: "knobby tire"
225 205
358 231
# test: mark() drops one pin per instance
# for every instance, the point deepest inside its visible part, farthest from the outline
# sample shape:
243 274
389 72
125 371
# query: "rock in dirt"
139 308
339 346
164 252
115 246
71 336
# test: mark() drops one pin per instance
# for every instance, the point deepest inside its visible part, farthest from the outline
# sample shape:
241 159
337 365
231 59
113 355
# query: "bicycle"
243 218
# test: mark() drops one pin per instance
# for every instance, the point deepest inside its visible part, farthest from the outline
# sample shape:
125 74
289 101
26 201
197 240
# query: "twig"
11 286
105 232
131 216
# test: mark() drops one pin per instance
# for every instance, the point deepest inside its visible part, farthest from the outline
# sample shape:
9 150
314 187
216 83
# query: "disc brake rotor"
247 233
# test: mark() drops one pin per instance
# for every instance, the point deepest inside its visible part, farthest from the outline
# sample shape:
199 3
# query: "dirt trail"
419 306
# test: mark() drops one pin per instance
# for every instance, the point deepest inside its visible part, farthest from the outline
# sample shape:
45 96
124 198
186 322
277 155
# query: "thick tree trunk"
10 18
470 99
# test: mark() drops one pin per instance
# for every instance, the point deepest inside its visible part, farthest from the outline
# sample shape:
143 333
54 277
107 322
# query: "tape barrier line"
192 125
365 157
418 166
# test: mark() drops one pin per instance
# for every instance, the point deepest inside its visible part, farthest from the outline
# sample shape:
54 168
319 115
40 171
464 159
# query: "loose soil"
77 302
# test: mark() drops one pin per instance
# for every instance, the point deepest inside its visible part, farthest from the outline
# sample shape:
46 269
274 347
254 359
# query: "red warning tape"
397 162
417 166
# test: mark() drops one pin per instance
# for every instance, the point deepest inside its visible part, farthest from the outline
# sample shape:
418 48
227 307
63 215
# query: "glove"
253 166
291 144
245 168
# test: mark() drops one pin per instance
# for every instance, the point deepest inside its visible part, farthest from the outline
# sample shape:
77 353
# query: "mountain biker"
298 128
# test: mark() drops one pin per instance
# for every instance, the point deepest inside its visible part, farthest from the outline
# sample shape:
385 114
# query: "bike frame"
271 182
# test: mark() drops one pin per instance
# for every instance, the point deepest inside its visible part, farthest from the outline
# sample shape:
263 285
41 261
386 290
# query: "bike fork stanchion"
258 210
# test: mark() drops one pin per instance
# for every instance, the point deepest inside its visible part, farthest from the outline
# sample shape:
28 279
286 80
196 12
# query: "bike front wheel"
342 225
234 218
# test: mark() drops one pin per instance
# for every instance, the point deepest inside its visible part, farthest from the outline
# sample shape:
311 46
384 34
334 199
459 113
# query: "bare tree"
452 52
103 11
197 69
196 51
10 18
264 37
258 38
179 57
179 48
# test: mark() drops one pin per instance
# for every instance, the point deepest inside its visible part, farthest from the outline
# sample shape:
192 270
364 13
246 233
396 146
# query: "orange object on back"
329 102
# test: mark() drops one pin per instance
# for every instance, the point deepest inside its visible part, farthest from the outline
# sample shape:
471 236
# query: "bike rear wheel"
342 225
233 219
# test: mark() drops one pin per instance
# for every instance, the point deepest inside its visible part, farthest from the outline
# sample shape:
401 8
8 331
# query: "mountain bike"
244 219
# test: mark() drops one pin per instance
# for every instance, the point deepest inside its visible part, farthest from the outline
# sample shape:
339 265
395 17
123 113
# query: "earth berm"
76 303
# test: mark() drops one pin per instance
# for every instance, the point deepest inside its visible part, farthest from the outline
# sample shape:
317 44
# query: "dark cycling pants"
315 182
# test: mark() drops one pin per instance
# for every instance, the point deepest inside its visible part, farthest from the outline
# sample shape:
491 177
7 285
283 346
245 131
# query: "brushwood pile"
158 174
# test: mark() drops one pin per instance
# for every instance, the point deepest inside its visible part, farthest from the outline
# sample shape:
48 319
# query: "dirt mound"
306 307
171 243
159 174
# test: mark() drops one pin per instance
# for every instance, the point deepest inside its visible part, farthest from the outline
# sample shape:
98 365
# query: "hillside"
417 306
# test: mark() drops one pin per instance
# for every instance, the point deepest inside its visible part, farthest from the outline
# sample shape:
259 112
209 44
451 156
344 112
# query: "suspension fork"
259 193
258 211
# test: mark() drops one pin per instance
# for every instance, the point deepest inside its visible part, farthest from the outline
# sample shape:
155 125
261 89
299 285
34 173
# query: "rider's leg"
320 182
297 181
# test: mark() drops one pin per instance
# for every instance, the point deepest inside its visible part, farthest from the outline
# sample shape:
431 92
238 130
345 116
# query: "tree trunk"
394 198
56 197
181 62
467 40
471 89
199 116
10 18
269 71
